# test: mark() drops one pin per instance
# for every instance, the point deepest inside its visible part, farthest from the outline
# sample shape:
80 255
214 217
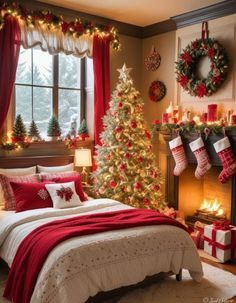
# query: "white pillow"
9 172
63 195
56 169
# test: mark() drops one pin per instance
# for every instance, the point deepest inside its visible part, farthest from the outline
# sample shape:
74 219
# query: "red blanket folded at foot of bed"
35 248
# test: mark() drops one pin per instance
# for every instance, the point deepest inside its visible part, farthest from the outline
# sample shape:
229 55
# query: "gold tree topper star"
124 72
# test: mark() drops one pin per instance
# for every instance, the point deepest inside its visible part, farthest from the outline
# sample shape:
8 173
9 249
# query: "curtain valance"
55 41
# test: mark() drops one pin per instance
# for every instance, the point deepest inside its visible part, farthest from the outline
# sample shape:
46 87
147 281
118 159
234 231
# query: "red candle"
212 112
203 118
233 119
165 118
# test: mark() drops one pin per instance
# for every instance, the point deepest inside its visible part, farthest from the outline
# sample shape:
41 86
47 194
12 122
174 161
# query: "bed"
79 268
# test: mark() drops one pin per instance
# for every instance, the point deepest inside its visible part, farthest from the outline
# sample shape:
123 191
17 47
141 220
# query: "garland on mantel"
76 28
191 128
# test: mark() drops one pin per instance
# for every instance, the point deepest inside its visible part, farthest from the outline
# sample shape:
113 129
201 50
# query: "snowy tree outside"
34 89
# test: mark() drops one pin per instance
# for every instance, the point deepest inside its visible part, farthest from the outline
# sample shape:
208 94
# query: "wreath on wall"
157 91
186 66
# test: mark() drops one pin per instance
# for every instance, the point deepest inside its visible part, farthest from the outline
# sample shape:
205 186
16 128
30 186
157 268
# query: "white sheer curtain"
54 41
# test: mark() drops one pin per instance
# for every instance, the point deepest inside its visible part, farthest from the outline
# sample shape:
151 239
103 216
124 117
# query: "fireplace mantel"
172 182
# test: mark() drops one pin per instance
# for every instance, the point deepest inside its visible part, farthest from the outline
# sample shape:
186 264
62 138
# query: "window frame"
55 90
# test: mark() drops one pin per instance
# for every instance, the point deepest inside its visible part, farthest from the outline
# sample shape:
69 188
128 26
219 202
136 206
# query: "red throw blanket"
35 248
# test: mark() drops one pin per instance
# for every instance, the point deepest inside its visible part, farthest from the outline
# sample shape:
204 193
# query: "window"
47 85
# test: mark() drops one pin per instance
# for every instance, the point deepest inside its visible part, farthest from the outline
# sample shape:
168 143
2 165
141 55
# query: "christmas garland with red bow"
187 64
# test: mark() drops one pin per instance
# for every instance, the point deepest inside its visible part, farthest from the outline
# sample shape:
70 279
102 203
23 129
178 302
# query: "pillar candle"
204 117
212 113
233 120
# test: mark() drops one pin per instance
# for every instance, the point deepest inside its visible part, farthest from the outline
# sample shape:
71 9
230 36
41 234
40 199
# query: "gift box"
198 234
220 240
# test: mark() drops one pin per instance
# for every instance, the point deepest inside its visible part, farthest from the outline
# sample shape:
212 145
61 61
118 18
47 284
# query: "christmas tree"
126 168
83 130
19 130
54 129
34 132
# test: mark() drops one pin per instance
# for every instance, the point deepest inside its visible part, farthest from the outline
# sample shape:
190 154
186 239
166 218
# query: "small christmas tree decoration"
19 130
34 132
54 129
83 130
126 166
226 155
203 161
177 149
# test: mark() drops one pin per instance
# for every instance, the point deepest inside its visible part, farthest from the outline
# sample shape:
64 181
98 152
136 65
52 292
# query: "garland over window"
187 64
45 18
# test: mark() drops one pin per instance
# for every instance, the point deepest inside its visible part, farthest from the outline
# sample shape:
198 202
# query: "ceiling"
137 12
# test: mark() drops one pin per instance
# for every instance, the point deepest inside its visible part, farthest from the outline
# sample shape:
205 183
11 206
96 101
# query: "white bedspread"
83 266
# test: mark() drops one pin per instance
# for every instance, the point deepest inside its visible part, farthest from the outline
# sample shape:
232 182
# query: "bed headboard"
20 162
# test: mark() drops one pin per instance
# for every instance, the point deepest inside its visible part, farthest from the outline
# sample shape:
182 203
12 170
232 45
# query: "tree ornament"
125 158
83 130
187 63
157 91
153 61
54 129
34 134
19 130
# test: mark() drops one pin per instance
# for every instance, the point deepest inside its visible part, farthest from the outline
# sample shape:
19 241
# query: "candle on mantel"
170 109
212 113
204 117
233 119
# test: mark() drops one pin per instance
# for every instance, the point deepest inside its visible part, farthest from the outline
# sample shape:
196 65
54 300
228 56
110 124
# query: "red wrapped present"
220 240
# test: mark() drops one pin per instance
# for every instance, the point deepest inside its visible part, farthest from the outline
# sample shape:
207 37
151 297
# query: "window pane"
69 71
23 74
42 68
42 108
69 109
23 103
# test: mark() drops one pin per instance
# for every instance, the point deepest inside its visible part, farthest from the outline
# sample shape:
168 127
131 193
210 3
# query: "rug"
216 286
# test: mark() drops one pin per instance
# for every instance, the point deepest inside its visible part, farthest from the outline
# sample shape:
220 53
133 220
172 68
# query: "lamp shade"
83 157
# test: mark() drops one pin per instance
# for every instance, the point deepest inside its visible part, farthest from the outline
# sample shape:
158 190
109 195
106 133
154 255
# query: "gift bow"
222 225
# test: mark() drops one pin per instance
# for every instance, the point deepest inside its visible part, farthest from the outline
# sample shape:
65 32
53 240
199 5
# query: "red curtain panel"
101 67
10 37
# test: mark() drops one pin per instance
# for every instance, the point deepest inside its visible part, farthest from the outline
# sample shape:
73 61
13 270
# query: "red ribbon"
222 225
204 30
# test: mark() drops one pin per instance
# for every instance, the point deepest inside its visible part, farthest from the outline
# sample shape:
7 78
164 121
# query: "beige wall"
130 53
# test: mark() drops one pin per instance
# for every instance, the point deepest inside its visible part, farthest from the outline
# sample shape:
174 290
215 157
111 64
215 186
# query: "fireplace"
187 194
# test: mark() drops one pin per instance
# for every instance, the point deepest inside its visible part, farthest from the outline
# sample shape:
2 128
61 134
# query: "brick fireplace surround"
172 182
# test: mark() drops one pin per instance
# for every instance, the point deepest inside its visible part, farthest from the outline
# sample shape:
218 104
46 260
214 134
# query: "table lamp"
83 159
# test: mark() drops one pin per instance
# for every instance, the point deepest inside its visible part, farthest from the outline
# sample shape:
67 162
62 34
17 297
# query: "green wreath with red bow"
187 64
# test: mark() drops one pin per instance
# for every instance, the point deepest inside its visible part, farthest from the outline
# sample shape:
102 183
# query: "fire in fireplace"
211 208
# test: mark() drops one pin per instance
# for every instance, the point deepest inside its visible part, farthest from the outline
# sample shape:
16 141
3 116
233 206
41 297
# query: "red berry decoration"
127 155
118 129
120 104
133 124
122 166
146 201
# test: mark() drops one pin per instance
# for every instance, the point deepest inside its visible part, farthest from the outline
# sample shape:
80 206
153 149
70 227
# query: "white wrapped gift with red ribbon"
220 240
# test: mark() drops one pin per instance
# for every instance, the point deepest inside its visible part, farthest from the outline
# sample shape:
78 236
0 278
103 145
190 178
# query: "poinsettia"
201 90
183 80
65 193
186 57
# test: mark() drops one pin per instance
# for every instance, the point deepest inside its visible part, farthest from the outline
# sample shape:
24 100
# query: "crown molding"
221 9
218 10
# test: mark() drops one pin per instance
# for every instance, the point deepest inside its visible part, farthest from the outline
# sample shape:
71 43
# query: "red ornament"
137 186
192 122
201 90
112 184
129 144
127 155
120 104
118 129
133 124
156 122
156 187
120 94
122 166
147 134
141 159
64 27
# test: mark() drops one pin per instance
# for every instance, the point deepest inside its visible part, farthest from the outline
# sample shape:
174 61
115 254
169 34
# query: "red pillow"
78 185
31 196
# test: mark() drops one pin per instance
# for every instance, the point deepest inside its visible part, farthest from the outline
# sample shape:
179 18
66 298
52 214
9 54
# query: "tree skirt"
216 286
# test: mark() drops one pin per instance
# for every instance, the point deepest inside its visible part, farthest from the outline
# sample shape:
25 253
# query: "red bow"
222 225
